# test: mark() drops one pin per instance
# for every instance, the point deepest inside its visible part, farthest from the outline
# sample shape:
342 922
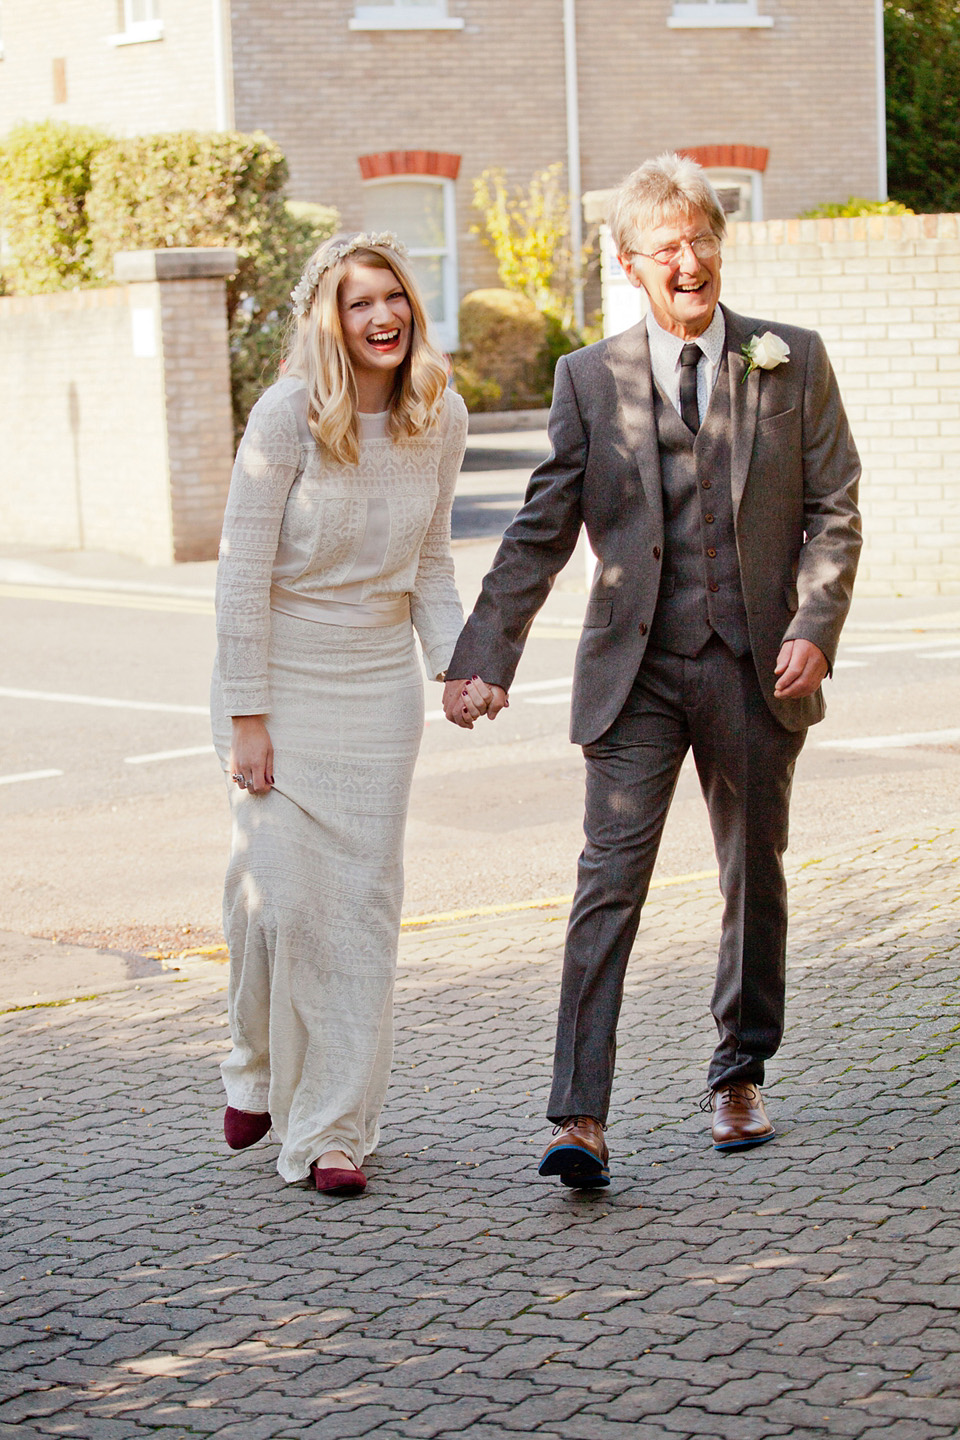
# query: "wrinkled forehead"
672 222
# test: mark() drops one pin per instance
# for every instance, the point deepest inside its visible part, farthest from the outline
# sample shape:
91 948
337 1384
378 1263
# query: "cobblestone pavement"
153 1284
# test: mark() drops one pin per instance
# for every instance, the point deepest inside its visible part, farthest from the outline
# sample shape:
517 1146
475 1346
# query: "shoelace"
731 1093
575 1120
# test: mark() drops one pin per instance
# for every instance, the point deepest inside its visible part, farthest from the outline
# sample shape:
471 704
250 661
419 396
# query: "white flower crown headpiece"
302 295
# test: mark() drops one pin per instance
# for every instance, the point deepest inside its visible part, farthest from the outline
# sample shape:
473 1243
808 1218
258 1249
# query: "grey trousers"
745 762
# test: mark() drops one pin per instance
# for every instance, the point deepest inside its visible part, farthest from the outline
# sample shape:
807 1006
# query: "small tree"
854 207
922 41
528 232
44 180
198 188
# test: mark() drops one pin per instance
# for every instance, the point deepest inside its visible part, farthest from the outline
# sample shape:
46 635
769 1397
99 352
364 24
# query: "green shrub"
198 188
508 351
850 209
502 343
44 182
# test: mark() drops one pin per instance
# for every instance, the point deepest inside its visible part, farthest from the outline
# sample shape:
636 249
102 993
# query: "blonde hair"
656 190
317 352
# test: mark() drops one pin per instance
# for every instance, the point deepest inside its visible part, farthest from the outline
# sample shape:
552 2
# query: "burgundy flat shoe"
334 1181
242 1127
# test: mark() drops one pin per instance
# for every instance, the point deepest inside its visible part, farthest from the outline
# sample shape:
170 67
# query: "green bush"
198 188
508 351
850 209
922 54
44 182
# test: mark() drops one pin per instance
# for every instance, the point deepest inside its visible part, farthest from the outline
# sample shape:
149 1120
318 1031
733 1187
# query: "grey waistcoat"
700 592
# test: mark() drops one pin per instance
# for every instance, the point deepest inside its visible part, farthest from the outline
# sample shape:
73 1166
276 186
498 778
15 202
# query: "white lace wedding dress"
322 569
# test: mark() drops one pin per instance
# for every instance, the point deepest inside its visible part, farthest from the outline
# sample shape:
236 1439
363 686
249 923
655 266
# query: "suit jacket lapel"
628 356
744 402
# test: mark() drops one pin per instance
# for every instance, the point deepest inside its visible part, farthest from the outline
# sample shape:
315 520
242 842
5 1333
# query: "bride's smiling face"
375 317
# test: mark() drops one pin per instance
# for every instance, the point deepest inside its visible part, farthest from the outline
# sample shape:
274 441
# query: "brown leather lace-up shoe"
578 1154
739 1119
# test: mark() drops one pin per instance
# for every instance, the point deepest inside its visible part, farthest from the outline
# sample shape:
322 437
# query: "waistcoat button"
714 586
656 552
709 519
712 554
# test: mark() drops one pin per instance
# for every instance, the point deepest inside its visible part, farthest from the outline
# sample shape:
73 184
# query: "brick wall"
885 295
493 92
115 432
164 84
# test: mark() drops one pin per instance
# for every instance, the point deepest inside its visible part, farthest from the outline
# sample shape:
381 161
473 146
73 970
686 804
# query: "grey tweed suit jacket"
793 471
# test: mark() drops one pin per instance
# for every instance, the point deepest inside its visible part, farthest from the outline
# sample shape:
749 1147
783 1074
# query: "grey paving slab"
151 1283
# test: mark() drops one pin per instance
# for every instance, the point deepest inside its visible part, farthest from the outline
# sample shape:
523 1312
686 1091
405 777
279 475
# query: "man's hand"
801 666
466 700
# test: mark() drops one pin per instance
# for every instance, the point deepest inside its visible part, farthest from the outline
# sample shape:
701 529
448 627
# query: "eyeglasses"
703 246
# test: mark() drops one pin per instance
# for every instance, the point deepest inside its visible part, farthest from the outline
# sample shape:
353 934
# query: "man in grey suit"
709 457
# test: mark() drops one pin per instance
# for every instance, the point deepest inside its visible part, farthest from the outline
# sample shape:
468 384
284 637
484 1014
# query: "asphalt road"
114 817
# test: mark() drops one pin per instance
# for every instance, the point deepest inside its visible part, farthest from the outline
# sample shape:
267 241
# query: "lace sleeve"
434 603
267 465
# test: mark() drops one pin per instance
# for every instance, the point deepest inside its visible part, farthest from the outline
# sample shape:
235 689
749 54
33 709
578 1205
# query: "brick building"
389 110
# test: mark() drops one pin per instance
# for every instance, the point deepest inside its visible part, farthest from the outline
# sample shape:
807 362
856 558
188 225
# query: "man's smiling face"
683 294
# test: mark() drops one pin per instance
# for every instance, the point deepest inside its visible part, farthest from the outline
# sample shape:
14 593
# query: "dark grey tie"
689 409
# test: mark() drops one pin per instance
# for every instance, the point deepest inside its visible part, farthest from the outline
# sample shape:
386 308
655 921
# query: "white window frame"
716 14
721 176
447 334
138 32
398 15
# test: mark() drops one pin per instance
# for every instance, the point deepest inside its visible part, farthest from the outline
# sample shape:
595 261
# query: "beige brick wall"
165 84
885 295
102 447
494 93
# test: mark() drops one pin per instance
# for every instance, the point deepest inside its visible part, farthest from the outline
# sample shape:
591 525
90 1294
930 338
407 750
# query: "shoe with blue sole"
578 1154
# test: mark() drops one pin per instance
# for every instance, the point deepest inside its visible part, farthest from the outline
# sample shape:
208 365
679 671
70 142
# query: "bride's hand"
251 754
466 700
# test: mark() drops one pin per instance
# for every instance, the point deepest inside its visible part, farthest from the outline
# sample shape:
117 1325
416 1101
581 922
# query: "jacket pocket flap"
770 422
598 615
791 597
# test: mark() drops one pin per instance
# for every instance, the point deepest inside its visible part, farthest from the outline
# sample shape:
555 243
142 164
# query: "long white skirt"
311 905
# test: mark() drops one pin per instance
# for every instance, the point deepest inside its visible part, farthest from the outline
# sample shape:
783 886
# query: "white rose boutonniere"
765 352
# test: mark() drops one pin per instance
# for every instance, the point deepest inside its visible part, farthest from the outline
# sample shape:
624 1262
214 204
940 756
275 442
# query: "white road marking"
29 775
894 742
61 699
168 755
887 647
550 699
850 664
940 655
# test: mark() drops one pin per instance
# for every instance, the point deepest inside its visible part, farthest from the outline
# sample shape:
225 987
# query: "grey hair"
655 191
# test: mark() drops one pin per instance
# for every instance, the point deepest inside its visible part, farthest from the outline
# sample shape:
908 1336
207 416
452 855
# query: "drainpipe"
573 154
222 66
881 108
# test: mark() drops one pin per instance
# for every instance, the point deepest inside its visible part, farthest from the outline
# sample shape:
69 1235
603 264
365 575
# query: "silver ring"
241 781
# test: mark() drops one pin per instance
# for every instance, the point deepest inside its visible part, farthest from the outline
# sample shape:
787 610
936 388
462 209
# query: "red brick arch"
728 157
409 162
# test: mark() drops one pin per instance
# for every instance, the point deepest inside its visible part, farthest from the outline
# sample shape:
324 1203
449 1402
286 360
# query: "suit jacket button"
712 554
709 519
643 627
656 552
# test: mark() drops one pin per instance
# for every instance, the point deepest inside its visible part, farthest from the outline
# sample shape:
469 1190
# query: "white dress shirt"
665 359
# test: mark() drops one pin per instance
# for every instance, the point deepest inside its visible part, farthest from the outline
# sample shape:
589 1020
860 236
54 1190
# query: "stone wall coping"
846 229
178 262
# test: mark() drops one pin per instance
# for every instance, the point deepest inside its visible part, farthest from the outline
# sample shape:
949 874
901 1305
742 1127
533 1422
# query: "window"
421 210
701 14
140 21
404 15
740 192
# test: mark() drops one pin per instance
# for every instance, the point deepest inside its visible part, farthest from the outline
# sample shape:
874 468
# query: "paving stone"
806 1289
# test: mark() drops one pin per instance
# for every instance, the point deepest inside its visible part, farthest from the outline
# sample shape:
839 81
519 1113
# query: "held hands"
251 754
466 700
801 666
